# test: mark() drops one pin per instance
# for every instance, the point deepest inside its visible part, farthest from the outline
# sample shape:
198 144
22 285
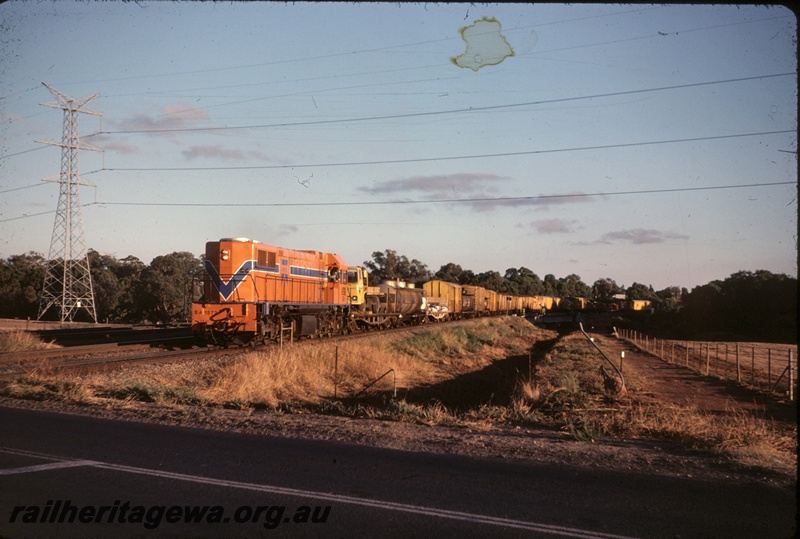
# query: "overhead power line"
446 201
22 152
451 111
21 188
408 202
452 158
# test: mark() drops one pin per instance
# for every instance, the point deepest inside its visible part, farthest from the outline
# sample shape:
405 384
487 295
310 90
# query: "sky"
643 143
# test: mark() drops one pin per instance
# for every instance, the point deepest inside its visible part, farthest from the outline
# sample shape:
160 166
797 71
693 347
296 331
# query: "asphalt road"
73 476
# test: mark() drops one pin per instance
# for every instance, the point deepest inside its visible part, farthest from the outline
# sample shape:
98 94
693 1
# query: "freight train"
251 293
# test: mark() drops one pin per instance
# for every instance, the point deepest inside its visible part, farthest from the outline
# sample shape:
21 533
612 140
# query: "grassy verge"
568 391
20 341
481 373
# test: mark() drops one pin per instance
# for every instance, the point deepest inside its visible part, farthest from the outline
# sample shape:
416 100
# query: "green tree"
702 307
673 292
105 284
572 286
388 265
128 272
450 272
21 278
640 291
605 289
550 285
164 287
491 280
524 282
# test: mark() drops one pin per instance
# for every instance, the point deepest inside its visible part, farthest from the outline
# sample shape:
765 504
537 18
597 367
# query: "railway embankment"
494 387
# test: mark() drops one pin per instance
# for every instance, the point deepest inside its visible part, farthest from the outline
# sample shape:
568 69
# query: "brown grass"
20 341
445 375
573 397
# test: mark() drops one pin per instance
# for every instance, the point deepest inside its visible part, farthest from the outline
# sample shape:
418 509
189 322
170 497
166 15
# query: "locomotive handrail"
376 380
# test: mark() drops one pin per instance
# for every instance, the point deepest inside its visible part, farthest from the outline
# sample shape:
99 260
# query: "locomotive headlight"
224 254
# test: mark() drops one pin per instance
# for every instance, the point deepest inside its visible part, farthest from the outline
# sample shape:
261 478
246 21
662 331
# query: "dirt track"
679 385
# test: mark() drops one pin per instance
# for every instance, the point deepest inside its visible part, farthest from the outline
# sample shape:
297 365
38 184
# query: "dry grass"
474 373
302 376
568 392
20 341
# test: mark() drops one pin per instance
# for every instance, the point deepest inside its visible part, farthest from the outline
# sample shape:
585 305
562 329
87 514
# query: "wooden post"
769 367
708 357
687 353
791 381
738 365
726 361
753 366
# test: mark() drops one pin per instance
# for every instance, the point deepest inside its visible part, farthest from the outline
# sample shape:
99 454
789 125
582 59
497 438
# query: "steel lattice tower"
68 282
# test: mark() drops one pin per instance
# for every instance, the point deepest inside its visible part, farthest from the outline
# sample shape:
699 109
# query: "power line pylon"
68 282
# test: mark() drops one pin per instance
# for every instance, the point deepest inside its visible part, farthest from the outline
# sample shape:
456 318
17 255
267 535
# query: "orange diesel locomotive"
252 292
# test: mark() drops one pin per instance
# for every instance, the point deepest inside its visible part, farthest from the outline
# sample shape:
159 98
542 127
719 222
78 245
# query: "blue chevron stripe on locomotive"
227 288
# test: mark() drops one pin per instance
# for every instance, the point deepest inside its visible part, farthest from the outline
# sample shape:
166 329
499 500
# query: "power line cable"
27 215
409 202
21 188
22 152
447 201
450 158
345 53
450 111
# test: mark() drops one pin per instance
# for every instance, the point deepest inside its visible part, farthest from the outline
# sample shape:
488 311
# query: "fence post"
687 353
708 357
716 355
726 361
769 367
753 366
738 365
791 381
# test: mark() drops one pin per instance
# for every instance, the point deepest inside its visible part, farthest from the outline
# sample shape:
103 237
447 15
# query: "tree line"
125 290
756 305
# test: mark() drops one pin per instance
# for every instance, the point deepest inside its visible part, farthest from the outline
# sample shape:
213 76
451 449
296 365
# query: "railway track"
110 335
102 357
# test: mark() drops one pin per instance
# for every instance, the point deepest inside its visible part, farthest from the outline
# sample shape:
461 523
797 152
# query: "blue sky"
613 141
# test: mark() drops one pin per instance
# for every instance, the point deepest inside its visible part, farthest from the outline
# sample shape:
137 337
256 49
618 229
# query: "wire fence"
763 366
